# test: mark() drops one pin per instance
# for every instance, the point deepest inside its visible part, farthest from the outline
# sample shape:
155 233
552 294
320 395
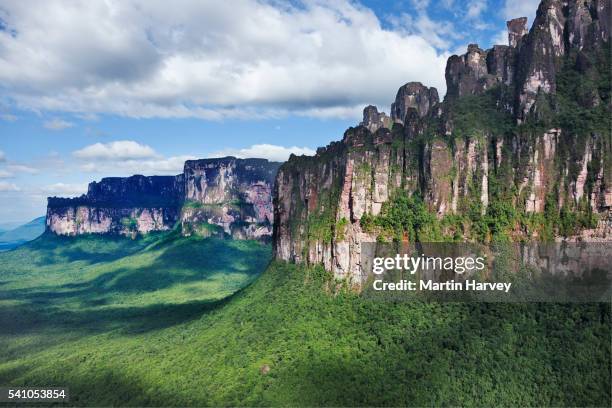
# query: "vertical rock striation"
233 194
212 196
119 205
503 142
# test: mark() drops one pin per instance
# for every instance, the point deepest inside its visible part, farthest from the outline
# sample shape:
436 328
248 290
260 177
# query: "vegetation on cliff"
580 108
142 322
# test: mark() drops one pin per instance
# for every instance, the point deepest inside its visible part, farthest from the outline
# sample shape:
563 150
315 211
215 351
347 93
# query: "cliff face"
213 196
519 149
118 205
233 194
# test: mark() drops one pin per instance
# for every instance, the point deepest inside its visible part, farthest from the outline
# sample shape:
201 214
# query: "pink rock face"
517 29
120 221
260 195
62 223
233 194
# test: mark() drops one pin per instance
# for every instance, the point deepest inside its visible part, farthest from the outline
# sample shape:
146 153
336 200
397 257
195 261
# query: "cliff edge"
520 149
225 196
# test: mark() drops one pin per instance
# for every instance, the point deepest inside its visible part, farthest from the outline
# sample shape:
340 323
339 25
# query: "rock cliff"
231 194
519 149
212 196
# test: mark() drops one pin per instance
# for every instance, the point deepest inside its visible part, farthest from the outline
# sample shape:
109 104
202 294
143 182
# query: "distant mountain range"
23 233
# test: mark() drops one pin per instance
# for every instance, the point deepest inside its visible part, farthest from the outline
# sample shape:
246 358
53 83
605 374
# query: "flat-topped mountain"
212 196
519 149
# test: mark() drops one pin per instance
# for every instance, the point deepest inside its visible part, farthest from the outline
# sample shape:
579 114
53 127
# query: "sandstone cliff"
212 197
232 194
118 205
519 149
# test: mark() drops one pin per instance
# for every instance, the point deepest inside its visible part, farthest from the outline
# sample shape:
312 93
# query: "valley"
125 328
239 281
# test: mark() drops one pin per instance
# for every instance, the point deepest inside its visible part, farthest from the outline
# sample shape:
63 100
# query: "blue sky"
92 89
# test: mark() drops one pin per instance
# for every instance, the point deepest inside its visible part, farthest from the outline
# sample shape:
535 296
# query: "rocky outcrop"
499 143
234 194
560 27
517 29
416 96
212 196
119 205
373 120
468 74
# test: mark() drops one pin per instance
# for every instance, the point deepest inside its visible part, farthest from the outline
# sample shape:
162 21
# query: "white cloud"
6 186
420 4
119 150
2 156
209 59
155 166
501 38
438 33
5 174
127 157
57 124
21 168
520 8
265 151
63 189
475 8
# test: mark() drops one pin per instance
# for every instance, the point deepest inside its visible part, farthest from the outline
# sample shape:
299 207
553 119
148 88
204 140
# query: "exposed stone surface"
517 29
235 194
559 26
119 205
373 120
413 95
320 201
468 74
225 195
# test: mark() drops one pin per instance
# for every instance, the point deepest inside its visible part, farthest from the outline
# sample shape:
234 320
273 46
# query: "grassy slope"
67 294
322 349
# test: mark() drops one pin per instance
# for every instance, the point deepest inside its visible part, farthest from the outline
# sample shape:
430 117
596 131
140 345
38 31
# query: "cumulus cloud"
57 124
126 157
475 8
64 189
6 186
520 8
154 166
208 59
21 168
265 151
5 174
119 150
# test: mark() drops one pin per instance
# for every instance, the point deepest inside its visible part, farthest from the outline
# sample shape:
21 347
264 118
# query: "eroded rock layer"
519 149
212 197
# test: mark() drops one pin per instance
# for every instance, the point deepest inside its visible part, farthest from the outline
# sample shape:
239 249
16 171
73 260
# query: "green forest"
158 321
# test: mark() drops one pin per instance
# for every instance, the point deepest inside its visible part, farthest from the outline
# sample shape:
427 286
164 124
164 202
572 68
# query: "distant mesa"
224 196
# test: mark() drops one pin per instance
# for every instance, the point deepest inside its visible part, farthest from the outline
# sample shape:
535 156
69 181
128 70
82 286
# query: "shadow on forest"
93 306
91 249
187 266
485 356
105 387
56 324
